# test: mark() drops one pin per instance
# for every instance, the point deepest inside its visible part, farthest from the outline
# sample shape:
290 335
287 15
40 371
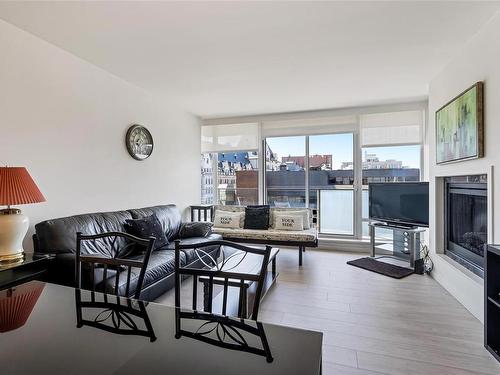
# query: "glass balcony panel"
336 211
364 202
238 196
286 197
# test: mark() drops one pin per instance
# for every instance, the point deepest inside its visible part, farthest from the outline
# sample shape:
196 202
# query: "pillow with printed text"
227 219
288 222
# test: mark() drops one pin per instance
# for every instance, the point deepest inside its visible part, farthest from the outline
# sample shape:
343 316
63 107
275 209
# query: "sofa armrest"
62 269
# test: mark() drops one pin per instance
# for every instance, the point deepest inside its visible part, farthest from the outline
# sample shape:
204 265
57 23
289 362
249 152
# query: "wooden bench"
238 262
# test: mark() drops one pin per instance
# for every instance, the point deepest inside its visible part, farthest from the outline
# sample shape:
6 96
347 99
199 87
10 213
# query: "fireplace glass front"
467 222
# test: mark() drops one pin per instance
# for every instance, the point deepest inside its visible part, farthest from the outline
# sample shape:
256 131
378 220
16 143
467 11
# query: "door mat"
371 264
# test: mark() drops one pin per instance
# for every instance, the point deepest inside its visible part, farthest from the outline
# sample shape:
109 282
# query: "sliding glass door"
328 185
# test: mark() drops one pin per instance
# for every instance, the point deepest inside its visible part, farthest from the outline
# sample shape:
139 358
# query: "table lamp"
16 187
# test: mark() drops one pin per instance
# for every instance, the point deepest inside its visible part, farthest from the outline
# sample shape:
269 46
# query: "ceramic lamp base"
13 228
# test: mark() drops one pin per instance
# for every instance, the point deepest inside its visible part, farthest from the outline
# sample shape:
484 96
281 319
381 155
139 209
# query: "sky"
341 148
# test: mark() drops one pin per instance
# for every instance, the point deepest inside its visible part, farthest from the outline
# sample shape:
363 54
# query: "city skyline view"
340 146
331 181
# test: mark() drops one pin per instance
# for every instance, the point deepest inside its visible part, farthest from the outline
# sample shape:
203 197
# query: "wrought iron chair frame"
220 273
113 262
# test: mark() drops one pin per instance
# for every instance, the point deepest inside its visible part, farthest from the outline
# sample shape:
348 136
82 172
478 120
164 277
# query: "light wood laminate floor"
373 324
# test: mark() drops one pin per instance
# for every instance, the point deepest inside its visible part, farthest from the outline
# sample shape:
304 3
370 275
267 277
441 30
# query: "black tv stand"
409 244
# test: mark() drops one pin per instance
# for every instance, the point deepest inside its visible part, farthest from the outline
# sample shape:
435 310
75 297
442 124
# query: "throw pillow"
304 212
233 209
226 219
288 222
195 229
146 227
257 217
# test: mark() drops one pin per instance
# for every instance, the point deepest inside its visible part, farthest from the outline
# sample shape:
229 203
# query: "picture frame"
460 127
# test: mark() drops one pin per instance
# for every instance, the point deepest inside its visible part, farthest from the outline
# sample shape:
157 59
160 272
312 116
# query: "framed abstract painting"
459 127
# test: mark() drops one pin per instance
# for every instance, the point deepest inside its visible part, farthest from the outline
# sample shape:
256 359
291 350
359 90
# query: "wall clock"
139 142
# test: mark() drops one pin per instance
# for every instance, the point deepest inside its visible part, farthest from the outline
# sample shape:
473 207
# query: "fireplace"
466 220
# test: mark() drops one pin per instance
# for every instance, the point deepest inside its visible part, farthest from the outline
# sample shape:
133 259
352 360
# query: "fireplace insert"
466 221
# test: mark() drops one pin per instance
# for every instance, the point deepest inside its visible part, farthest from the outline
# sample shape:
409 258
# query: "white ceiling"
237 58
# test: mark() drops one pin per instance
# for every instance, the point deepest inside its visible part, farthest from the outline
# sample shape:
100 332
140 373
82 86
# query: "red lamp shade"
17 187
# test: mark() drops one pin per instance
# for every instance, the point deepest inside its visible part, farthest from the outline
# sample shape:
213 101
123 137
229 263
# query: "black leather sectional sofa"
58 238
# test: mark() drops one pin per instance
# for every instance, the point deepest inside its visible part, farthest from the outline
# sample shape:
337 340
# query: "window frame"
326 122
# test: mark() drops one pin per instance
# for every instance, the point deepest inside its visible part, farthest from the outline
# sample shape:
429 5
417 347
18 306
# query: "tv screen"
400 203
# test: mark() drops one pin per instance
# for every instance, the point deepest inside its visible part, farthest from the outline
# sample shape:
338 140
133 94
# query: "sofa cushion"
257 217
190 253
58 236
168 215
308 235
161 264
147 227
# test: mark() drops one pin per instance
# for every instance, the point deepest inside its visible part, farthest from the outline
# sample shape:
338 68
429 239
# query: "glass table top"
59 330
28 258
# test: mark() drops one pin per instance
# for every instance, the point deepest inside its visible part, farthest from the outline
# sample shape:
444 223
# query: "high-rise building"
372 161
207 179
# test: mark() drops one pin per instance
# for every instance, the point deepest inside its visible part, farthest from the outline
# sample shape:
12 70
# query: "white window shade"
231 137
393 128
309 126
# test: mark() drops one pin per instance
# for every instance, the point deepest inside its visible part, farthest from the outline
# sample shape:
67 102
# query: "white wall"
478 61
65 120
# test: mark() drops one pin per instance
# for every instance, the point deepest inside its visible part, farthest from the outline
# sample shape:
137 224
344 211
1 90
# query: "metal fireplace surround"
466 220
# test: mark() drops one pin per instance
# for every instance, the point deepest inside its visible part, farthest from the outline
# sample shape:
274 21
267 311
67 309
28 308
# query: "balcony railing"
238 196
286 196
335 205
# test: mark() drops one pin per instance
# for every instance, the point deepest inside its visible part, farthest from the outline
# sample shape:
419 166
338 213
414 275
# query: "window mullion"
358 186
306 167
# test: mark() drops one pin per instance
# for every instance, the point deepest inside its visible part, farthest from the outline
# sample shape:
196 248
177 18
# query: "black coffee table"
251 264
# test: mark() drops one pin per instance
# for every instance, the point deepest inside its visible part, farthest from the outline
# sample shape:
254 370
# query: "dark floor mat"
386 269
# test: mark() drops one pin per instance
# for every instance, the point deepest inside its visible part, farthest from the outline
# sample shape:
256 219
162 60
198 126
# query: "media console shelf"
405 244
492 300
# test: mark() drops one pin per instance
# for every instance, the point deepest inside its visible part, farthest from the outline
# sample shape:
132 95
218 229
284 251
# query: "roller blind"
392 128
230 137
308 126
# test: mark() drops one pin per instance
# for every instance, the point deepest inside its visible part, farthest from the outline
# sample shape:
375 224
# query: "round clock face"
139 142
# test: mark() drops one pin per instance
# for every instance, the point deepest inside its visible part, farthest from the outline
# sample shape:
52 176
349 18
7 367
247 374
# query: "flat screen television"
403 203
